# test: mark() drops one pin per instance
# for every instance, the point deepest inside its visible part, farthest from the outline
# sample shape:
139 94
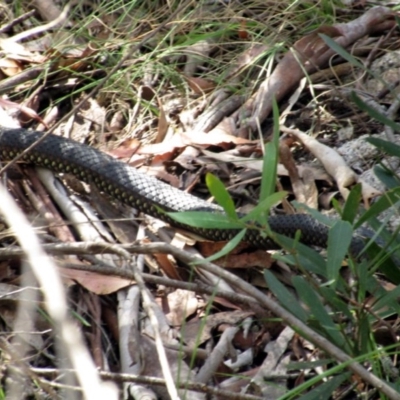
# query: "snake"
146 193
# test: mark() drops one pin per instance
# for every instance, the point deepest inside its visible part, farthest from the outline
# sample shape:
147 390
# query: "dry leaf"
334 163
168 266
181 304
200 85
96 283
183 139
162 127
10 67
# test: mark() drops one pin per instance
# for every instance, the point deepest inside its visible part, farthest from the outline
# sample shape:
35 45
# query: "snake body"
145 193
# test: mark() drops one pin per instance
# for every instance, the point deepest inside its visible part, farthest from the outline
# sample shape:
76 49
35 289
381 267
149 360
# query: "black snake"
144 192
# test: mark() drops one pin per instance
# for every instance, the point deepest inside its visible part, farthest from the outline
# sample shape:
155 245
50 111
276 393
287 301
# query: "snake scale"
145 193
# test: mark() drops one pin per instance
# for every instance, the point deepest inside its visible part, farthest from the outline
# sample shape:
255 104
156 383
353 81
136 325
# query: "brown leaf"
10 67
181 305
216 137
304 189
200 85
126 150
243 31
26 111
96 283
168 267
162 127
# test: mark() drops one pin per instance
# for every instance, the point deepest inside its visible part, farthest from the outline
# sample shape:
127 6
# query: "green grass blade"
350 209
374 114
270 162
309 259
205 219
308 294
226 249
390 148
221 195
339 239
264 206
268 180
389 199
314 213
336 302
386 176
286 299
341 51
327 388
389 299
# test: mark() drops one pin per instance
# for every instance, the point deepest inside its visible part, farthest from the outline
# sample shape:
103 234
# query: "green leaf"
264 206
364 333
275 115
307 294
391 271
226 249
309 364
268 179
314 213
271 154
286 299
337 303
362 274
390 299
205 219
339 239
350 209
341 51
328 387
386 176
373 113
306 257
221 195
388 199
390 148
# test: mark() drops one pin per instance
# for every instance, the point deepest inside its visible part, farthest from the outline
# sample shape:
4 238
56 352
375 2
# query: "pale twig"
40 29
149 380
70 341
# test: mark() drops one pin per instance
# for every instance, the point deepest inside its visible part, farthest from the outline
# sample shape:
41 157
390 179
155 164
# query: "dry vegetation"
180 89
